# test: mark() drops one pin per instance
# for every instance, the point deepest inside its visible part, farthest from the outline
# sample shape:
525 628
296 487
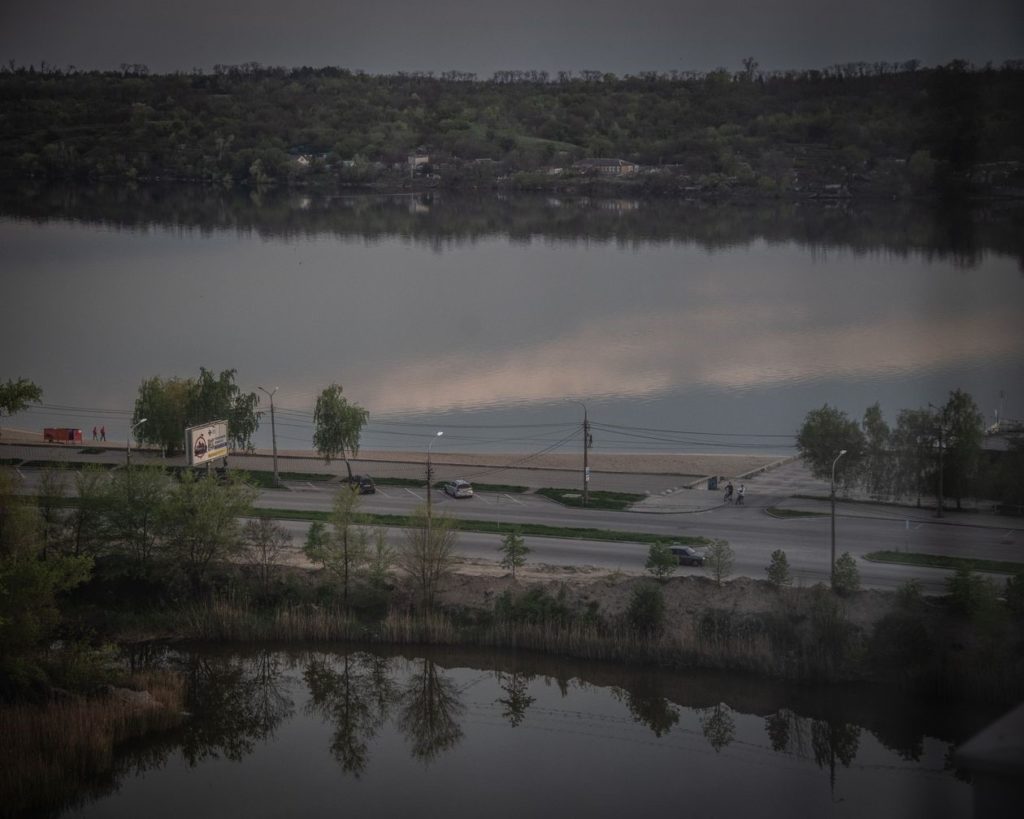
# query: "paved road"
752 532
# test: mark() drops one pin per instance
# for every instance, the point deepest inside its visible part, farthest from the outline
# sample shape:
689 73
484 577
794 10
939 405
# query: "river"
328 732
681 326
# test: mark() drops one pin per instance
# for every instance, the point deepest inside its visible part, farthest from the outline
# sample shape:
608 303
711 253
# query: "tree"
718 560
199 522
846 576
337 425
824 434
344 551
87 518
171 405
514 551
914 442
877 459
661 562
52 512
428 553
778 569
214 399
962 431
16 396
263 542
380 562
134 498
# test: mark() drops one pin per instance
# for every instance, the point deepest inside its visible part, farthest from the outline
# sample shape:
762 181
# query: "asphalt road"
751 531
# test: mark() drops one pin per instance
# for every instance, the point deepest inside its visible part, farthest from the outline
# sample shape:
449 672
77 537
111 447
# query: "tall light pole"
586 446
430 472
128 445
832 576
273 430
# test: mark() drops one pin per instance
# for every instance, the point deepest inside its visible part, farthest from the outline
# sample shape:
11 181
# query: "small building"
606 167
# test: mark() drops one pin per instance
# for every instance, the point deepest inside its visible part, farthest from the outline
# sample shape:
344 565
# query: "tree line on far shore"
862 129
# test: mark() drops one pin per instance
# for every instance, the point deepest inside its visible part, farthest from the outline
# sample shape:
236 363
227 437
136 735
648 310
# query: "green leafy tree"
29 587
823 435
163 403
344 551
514 551
661 563
134 498
87 519
779 574
199 523
52 512
846 576
914 442
15 396
718 560
381 561
962 433
214 399
428 554
337 425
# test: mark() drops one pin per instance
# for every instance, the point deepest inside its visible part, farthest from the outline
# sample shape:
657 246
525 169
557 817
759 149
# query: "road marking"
514 500
382 493
418 497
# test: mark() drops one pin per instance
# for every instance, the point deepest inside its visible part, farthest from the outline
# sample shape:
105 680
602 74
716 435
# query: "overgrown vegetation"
975 564
595 500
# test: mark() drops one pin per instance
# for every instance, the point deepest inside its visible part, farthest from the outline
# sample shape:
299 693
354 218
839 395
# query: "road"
752 532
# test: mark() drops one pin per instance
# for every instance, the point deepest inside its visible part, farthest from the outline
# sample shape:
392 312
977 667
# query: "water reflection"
467 717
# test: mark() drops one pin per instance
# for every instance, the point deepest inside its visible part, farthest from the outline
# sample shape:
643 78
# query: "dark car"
363 483
688 556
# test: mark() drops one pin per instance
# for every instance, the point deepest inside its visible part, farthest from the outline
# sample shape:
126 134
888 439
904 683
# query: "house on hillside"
606 167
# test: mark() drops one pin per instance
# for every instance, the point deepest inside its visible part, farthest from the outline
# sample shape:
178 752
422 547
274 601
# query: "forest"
868 130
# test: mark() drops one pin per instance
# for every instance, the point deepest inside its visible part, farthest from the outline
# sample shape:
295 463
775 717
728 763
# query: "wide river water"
353 732
680 326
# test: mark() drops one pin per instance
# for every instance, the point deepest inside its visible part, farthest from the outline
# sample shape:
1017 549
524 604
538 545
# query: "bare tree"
428 553
718 560
263 542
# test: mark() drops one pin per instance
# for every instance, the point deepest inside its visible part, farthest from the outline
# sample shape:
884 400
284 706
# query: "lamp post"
430 472
128 444
273 430
832 575
586 446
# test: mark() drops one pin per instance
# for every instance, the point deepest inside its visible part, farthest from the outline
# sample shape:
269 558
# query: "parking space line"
418 497
514 500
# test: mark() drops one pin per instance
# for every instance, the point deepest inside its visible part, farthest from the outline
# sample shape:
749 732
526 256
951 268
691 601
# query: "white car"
459 489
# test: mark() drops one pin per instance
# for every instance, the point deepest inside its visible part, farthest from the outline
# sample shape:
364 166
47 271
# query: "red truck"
62 435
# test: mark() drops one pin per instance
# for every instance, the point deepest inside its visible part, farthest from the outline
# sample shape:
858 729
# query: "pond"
681 326
348 731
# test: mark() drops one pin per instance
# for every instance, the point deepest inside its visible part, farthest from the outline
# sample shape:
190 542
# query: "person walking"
103 433
728 492
94 433
739 495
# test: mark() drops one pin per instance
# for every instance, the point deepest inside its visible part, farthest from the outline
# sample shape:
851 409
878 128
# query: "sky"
482 36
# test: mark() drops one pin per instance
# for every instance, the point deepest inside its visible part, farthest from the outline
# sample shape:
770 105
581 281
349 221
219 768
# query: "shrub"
845 576
778 569
532 606
718 560
1015 593
661 563
969 592
646 610
909 596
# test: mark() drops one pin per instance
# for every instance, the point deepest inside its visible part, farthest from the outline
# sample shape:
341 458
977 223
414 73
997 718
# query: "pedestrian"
94 432
739 495
103 433
728 492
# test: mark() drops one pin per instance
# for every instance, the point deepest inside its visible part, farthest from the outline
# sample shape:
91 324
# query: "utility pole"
832 576
128 445
273 431
587 440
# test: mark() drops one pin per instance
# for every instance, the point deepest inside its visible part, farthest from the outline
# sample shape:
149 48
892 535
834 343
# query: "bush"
778 569
532 606
646 610
660 561
845 576
970 593
718 560
1015 593
900 641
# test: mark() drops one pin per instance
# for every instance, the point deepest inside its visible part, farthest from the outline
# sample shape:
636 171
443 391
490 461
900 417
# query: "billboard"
206 442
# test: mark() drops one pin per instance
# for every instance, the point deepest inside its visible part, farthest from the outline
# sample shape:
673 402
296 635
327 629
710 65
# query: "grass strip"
600 499
974 564
497 527
779 512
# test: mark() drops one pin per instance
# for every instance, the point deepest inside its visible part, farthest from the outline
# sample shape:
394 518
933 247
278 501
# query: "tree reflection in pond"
516 700
355 696
648 705
430 707
718 726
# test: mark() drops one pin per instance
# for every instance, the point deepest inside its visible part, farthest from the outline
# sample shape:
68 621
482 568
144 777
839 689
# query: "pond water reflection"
379 733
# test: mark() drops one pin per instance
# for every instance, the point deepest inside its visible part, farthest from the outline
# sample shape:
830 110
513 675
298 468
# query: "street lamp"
430 472
273 430
832 576
128 445
586 446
